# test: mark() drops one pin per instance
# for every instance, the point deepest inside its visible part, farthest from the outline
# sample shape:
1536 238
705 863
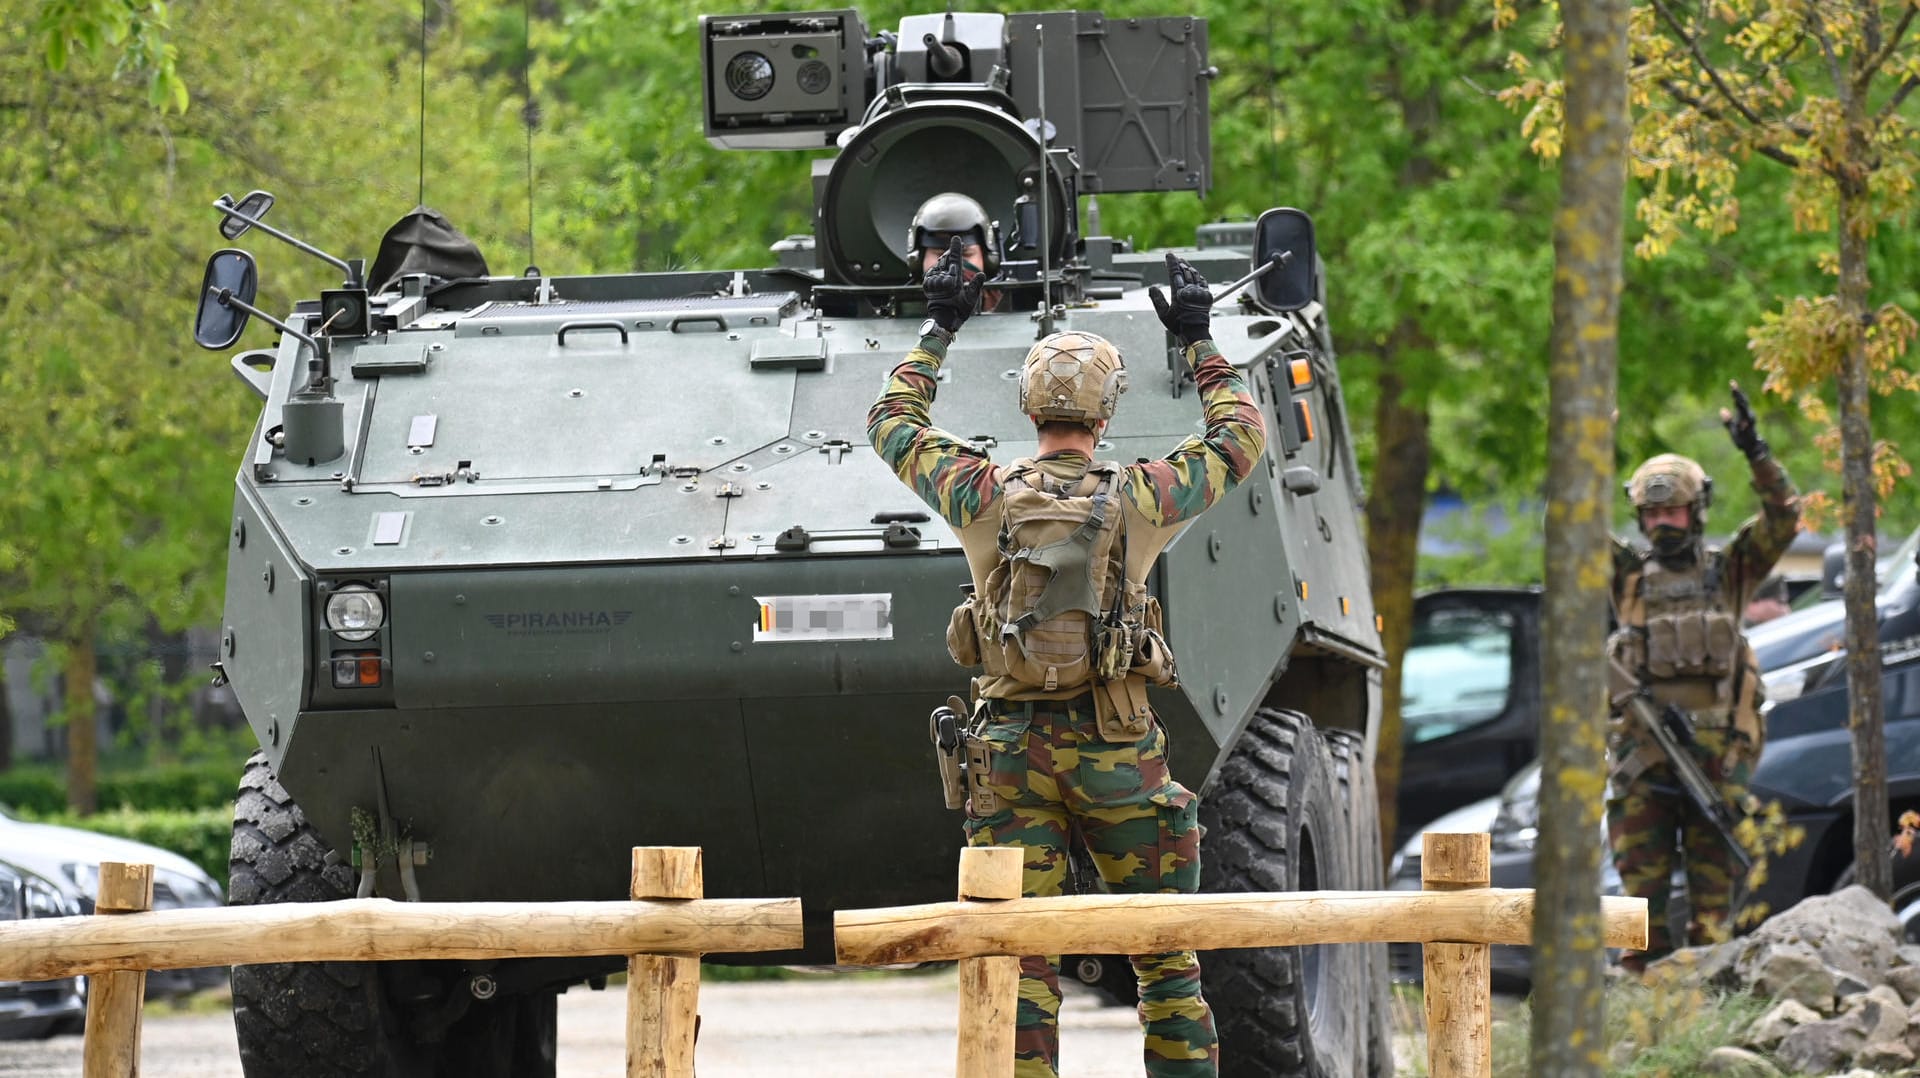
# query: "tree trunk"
1871 825
1568 1028
6 717
1394 508
82 725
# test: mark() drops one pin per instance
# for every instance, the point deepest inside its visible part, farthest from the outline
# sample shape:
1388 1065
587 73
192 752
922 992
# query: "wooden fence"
669 925
1456 917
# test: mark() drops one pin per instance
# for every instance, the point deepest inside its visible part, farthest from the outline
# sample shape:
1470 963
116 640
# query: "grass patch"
1660 1030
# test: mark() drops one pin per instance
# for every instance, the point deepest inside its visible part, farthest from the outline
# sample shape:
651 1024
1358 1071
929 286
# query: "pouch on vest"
963 631
1693 643
1121 709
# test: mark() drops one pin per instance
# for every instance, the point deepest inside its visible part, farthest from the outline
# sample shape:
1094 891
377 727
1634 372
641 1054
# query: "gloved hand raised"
1188 316
1739 424
952 293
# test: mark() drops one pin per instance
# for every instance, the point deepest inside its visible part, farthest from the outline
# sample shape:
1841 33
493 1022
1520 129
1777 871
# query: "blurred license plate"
821 618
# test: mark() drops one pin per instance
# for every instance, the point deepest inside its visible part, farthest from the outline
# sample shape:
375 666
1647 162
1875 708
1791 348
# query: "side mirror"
1295 283
230 275
250 209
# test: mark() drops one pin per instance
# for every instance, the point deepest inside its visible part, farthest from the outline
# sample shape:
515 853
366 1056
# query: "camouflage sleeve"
951 476
1764 537
1625 560
1181 485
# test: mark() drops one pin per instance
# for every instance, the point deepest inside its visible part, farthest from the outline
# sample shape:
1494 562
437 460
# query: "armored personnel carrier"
528 570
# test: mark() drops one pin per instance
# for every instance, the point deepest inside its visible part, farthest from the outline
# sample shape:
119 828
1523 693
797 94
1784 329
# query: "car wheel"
1274 823
336 1019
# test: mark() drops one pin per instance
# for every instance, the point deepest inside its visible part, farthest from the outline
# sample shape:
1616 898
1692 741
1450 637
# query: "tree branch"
1713 73
1840 83
1765 149
1886 51
1893 105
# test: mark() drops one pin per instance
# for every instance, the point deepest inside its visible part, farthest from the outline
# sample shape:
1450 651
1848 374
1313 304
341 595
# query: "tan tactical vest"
1059 603
1680 633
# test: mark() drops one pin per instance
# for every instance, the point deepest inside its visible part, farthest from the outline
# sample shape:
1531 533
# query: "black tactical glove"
1739 424
951 293
1187 317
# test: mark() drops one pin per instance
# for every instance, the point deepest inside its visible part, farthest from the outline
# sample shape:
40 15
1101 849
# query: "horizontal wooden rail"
1153 924
377 929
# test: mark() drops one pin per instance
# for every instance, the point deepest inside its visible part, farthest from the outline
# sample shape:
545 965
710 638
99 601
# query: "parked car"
31 1009
68 859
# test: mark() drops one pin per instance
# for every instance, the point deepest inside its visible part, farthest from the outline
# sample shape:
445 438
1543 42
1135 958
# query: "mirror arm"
1271 264
322 363
351 271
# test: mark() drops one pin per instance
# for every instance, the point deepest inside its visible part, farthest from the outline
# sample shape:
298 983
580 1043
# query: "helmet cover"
1072 376
1671 479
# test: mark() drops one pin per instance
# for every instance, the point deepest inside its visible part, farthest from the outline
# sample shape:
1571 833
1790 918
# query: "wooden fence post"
663 992
989 987
1459 985
112 1048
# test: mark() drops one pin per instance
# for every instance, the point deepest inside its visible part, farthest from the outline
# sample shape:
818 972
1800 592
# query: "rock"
1738 1063
1821 1047
1878 1015
1906 981
1907 954
1851 930
1789 971
1846 984
1784 1018
1714 964
1884 1058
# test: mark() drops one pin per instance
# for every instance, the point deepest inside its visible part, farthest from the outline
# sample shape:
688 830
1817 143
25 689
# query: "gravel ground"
817 1025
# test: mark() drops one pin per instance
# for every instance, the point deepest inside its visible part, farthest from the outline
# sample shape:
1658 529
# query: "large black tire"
335 1019
1358 790
1274 823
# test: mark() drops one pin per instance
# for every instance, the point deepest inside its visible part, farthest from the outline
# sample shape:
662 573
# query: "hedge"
201 835
42 791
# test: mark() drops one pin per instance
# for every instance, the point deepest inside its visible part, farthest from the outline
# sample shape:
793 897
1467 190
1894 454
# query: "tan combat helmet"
1671 479
1077 377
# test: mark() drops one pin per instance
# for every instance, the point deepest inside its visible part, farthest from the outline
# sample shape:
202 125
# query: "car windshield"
1457 672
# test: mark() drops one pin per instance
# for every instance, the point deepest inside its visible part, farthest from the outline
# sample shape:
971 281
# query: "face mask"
1670 540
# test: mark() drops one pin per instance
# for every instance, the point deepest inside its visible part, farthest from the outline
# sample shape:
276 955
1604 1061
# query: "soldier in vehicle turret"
1062 737
1678 606
937 222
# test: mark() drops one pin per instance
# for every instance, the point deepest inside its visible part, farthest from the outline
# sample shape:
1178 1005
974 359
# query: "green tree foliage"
117 458
132 32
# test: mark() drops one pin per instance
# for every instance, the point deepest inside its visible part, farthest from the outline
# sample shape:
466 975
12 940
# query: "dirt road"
818 1025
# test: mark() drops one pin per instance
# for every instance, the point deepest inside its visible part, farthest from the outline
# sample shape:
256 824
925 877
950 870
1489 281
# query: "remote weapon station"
527 570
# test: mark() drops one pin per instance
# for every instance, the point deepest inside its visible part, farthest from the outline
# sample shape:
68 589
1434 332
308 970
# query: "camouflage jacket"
1160 497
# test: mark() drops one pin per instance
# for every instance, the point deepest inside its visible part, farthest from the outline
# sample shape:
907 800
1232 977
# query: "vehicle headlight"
1517 827
355 613
85 875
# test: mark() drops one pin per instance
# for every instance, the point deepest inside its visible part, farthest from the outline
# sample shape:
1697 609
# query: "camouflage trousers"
1654 819
1055 777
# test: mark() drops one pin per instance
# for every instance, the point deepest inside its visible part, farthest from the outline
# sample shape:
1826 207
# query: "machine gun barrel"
1672 733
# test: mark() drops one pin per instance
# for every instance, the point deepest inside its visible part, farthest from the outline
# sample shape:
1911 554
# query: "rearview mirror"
230 275
1296 282
253 208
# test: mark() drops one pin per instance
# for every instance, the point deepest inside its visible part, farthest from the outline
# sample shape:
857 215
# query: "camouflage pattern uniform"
1647 811
1050 766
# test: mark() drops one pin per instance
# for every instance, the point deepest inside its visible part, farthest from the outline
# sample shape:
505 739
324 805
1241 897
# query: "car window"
1458 672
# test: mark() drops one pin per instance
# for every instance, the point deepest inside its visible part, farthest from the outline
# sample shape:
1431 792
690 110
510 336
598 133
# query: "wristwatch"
931 328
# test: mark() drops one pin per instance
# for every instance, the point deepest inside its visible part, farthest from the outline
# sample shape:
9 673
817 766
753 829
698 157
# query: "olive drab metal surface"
606 561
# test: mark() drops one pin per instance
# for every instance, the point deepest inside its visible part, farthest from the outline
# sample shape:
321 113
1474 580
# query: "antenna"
423 104
530 114
1046 191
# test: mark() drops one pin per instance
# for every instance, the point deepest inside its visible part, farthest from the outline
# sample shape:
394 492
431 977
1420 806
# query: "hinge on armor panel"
835 449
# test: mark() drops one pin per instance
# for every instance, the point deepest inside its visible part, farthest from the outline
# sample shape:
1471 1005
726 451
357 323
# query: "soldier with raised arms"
1678 606
1062 738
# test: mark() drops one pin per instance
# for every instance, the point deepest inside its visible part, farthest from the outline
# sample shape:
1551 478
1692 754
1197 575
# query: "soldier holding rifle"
1685 685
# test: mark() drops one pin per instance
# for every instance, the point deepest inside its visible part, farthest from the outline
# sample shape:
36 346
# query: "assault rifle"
1671 729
